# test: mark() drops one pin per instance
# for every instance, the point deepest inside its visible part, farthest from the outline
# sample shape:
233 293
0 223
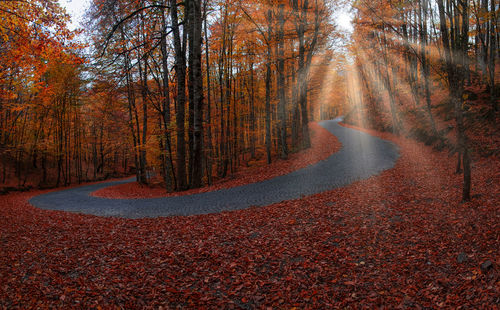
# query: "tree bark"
209 155
169 177
180 67
268 87
283 148
197 90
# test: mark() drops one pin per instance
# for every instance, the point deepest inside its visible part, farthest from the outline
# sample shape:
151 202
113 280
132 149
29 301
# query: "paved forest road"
360 157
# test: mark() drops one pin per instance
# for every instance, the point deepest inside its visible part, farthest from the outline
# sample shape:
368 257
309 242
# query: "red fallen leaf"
238 288
172 290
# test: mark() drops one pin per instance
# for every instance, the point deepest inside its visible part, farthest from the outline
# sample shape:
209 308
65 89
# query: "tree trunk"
283 148
252 110
180 64
493 52
422 13
169 178
142 156
455 44
132 112
197 89
209 155
268 88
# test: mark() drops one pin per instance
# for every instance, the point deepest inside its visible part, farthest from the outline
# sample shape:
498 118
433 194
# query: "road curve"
360 157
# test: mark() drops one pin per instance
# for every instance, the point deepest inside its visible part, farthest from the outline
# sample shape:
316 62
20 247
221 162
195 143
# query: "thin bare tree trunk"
283 148
169 177
268 88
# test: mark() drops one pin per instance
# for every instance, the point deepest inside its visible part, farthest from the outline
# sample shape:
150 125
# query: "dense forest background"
185 93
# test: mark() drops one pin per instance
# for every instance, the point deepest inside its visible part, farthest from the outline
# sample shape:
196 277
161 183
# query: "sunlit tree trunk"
425 72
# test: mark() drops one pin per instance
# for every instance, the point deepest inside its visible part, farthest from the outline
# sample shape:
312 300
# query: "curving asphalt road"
360 157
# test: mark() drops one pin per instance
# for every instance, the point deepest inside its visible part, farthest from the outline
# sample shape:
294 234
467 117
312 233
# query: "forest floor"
399 239
323 144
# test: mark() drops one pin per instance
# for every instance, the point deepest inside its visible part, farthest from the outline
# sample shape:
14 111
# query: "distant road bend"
360 157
